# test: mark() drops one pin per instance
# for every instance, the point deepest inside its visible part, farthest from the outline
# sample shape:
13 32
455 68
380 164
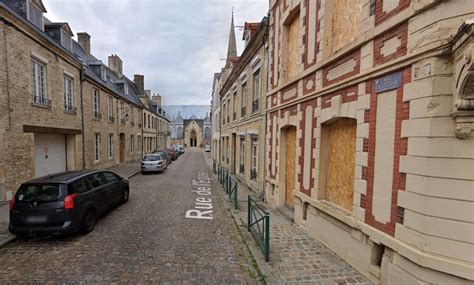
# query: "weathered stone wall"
17 108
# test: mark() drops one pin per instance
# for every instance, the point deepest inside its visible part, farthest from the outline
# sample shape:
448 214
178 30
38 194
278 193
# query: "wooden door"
290 166
341 162
122 148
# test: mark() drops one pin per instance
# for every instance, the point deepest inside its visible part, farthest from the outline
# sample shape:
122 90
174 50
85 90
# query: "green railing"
232 191
214 166
258 224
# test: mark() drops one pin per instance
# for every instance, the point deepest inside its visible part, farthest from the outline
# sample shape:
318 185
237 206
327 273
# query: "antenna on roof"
50 176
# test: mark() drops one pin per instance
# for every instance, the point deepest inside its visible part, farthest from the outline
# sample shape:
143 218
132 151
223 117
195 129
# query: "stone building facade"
242 127
369 123
62 109
216 118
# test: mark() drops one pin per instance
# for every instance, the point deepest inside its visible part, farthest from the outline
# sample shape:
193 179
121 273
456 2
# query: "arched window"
179 134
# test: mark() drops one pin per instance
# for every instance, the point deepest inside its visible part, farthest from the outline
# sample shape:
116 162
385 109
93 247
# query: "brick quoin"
306 64
270 149
402 111
402 33
381 16
354 55
291 109
275 47
302 157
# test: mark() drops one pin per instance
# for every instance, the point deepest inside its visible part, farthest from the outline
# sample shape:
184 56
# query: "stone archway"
193 139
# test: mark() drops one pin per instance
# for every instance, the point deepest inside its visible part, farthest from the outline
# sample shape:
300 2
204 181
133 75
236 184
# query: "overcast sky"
176 44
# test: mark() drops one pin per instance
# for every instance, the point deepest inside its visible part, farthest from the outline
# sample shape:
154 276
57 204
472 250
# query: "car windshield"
152 158
38 193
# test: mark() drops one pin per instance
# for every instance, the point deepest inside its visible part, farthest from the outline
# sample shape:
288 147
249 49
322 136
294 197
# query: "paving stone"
147 240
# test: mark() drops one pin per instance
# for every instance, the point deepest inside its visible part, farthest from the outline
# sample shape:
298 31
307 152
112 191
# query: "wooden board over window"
293 47
347 22
341 162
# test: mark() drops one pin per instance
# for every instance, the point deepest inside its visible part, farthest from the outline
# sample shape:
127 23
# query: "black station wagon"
65 202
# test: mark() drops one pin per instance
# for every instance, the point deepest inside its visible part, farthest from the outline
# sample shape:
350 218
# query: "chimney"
139 80
115 64
157 99
85 42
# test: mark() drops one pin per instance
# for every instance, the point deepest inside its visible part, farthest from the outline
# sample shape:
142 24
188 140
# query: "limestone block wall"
18 46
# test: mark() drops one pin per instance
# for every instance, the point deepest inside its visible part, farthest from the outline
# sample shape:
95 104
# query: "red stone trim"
381 16
306 64
349 94
274 100
305 81
355 55
272 137
302 157
288 88
402 33
292 109
398 178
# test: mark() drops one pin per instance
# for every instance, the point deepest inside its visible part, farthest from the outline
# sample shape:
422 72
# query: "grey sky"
176 44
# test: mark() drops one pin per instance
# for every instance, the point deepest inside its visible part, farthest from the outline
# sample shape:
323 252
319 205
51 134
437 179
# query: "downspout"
266 108
82 79
7 79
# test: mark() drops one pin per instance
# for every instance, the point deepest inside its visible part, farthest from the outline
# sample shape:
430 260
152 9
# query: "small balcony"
242 112
242 168
234 116
70 109
255 106
253 174
42 101
111 119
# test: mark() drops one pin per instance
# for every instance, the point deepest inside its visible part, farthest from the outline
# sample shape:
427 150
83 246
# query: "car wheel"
88 221
125 196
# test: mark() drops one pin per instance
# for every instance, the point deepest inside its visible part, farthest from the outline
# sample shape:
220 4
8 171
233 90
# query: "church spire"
232 48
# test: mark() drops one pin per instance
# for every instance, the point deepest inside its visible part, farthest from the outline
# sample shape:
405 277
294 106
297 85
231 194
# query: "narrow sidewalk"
126 170
295 256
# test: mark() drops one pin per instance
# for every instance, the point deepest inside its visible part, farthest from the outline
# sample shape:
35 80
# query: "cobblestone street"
146 240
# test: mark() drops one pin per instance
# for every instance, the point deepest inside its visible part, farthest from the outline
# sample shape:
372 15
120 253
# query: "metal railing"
253 174
232 191
258 224
242 112
42 101
242 168
255 105
234 116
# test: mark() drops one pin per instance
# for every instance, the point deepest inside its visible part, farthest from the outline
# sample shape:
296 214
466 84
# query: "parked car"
166 155
154 162
172 153
207 148
66 202
177 150
181 148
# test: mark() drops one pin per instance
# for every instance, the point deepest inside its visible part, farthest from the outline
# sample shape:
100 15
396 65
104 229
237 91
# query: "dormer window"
66 40
35 16
103 73
125 88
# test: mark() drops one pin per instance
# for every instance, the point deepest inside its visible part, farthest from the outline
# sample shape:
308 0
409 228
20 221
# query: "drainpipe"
7 78
82 79
266 107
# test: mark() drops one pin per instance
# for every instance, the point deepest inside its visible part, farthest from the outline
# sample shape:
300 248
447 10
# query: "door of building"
290 154
50 154
122 148
193 139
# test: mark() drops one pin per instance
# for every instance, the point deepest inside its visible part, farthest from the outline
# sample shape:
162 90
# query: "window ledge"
74 113
41 106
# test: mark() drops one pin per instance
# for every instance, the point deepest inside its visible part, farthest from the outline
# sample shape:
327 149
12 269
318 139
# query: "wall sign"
388 82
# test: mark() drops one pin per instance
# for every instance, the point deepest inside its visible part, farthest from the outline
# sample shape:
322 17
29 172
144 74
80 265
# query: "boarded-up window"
341 140
293 55
346 22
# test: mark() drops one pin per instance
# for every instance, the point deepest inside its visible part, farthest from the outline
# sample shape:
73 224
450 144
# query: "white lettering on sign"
202 205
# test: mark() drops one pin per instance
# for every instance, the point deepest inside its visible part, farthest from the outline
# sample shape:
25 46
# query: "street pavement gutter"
246 236
9 237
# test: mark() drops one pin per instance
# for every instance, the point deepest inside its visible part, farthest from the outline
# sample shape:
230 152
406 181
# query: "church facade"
191 132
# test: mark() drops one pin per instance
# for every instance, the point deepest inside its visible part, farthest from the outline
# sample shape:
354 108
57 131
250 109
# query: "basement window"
305 211
377 254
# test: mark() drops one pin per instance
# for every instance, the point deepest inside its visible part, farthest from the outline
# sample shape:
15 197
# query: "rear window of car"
96 180
152 157
110 177
38 193
79 186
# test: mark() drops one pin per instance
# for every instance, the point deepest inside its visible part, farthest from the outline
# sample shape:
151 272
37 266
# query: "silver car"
154 162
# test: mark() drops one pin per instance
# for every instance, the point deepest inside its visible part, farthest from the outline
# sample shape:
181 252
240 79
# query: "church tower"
232 47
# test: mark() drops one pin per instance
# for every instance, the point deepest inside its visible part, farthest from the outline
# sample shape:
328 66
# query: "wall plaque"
388 82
